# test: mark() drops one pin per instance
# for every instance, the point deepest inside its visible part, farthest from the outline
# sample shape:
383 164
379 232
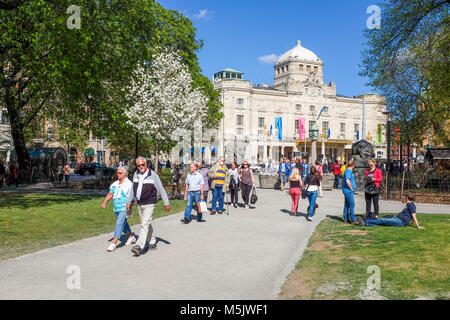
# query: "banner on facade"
379 134
301 128
279 127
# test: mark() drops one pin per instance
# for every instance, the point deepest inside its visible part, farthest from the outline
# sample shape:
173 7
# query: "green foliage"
408 60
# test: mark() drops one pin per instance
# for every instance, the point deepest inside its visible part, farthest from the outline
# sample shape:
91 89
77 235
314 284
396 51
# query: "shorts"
283 177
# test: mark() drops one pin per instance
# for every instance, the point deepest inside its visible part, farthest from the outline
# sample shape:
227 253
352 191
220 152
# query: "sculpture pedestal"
268 181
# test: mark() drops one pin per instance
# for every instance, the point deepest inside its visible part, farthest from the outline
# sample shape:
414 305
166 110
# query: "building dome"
298 53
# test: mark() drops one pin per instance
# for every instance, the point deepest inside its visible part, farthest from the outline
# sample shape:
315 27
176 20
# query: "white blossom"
163 99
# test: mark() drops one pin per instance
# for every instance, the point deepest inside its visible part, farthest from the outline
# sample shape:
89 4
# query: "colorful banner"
357 135
379 134
279 127
320 113
329 133
301 128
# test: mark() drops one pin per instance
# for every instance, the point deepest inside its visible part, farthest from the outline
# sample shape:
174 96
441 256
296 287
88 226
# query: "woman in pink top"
373 177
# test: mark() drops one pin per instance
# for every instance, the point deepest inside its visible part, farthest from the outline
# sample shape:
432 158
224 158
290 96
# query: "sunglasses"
141 165
118 172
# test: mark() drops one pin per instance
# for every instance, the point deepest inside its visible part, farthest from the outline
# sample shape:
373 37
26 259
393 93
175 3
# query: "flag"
320 113
379 134
279 127
301 128
329 133
271 130
357 135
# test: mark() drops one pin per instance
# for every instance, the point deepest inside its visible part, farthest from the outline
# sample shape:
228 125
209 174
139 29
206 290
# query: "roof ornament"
299 43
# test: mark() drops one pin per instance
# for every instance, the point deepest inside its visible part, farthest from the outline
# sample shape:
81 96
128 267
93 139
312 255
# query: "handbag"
254 197
371 189
305 192
202 207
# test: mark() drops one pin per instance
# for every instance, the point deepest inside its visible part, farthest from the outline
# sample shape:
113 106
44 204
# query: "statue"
362 152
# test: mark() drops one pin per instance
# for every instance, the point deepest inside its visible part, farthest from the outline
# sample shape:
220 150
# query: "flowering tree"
164 100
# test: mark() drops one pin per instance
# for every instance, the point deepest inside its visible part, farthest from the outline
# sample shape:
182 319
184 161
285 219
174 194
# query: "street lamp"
314 136
388 163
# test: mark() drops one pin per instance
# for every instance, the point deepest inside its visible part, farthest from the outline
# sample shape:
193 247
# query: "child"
401 220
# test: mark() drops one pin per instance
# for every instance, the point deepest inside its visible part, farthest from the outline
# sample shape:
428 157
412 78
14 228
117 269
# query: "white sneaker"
130 241
247 207
112 247
310 218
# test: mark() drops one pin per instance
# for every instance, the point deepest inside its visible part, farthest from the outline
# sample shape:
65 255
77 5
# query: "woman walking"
319 168
295 183
247 182
373 179
234 184
120 191
312 183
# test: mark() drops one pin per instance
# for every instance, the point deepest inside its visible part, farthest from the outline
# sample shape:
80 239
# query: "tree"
79 74
408 60
164 100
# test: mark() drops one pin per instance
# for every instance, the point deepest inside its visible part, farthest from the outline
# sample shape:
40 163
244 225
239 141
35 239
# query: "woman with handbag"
295 183
247 182
312 183
234 184
373 179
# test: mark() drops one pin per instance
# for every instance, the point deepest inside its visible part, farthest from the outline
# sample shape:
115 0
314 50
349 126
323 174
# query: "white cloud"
269 59
202 14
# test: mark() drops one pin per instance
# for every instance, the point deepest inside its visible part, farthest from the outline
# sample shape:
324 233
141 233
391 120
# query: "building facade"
298 92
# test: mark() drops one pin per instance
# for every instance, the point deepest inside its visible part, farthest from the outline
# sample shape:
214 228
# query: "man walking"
193 192
283 172
146 186
305 172
221 177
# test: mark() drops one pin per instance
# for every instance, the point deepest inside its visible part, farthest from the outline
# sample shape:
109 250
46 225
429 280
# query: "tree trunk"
22 155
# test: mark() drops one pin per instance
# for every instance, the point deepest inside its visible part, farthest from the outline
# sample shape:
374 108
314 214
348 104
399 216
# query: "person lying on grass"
402 220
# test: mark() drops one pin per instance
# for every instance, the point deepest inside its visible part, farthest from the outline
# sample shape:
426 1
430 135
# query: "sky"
248 35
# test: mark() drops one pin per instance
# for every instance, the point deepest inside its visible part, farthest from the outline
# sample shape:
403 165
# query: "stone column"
314 151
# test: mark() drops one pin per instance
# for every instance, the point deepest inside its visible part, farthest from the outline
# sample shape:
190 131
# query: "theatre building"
298 96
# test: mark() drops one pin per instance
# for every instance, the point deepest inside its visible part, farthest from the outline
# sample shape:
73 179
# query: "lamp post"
388 163
314 136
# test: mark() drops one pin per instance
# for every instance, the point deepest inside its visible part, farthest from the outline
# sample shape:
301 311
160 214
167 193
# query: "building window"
296 127
325 126
308 68
298 107
240 101
228 75
239 76
311 123
342 127
4 118
240 120
356 127
287 68
239 131
316 69
278 71
282 69
301 67
312 108
233 75
50 133
261 122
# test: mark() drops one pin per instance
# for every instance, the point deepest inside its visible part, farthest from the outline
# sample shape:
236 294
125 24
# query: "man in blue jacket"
283 171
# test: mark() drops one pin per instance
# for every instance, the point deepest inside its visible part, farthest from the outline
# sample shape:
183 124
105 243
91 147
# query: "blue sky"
237 34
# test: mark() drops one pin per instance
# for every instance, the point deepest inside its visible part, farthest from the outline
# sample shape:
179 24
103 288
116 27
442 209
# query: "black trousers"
234 192
336 181
369 198
246 189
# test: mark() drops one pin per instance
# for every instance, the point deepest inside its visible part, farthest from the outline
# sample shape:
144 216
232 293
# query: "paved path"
246 255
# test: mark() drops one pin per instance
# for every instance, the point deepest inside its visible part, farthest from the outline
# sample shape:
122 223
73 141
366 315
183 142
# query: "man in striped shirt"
221 178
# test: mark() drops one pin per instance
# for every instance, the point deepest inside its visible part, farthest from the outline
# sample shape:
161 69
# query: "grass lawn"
413 263
31 222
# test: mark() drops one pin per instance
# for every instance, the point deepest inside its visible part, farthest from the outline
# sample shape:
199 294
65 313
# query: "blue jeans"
349 205
218 192
121 224
191 197
392 222
312 196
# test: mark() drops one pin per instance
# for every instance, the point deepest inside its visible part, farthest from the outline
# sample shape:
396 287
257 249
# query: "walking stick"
228 203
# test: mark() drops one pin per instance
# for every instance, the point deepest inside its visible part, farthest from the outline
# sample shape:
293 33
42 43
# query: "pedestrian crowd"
305 182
